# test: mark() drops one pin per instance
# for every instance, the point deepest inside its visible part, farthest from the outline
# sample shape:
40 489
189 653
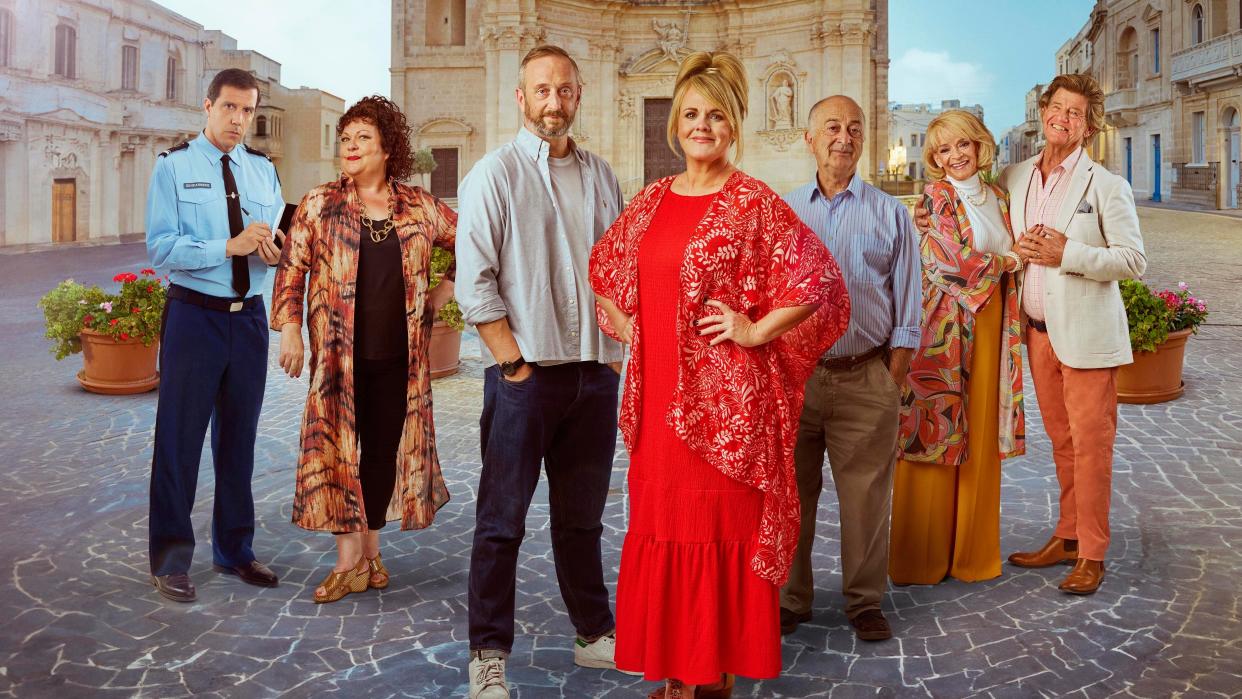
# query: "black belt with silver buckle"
214 303
851 361
1037 325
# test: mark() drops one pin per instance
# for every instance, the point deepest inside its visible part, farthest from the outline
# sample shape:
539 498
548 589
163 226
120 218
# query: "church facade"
455 68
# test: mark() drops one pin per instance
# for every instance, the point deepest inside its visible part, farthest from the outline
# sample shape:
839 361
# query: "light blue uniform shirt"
874 242
188 217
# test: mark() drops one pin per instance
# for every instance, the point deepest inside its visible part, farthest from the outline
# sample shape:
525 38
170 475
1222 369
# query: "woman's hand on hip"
730 325
292 351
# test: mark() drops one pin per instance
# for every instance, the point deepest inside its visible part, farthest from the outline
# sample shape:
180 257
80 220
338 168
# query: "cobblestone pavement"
80 618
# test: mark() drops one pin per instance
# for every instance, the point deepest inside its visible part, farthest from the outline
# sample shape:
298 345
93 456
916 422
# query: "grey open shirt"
515 258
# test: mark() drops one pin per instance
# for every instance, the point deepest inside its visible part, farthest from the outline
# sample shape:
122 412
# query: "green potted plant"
1160 324
117 334
424 163
445 350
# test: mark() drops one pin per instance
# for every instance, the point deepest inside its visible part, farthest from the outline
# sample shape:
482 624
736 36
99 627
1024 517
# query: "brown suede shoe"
1055 552
1084 578
871 625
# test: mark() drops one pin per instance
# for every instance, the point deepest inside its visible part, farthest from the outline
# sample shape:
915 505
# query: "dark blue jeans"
213 365
564 417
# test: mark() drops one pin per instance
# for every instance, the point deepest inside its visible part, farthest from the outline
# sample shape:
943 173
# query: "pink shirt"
1043 202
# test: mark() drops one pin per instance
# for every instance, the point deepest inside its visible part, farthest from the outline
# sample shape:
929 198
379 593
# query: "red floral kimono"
957 281
735 407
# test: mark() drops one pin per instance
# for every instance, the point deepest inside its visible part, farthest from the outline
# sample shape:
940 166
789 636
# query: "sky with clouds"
987 52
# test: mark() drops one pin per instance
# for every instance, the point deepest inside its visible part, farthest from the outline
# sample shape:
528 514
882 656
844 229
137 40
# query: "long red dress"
689 604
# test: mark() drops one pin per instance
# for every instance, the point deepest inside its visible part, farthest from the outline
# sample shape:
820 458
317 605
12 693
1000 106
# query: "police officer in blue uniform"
209 210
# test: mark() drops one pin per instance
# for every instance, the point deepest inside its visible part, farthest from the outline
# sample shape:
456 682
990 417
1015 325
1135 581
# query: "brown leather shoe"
871 625
1055 552
1084 578
791 619
175 586
253 573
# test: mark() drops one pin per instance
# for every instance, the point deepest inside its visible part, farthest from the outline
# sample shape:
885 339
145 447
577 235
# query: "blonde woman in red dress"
727 300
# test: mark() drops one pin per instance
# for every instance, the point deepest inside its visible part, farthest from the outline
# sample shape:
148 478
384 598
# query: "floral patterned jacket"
957 281
736 407
322 246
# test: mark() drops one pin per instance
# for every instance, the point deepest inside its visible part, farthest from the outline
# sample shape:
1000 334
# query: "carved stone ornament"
625 104
781 139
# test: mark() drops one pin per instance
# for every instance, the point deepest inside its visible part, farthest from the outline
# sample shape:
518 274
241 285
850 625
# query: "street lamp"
897 159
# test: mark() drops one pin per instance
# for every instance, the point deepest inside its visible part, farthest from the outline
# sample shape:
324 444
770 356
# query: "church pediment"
655 62
64 115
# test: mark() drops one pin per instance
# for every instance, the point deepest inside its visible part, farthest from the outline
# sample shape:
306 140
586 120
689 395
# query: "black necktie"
241 268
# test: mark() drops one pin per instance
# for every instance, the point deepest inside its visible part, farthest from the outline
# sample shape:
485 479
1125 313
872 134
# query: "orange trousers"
1079 408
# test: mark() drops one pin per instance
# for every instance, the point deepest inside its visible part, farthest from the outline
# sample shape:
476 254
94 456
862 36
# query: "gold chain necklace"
377 236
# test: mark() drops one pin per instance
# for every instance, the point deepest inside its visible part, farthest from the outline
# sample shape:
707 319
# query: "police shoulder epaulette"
180 146
256 151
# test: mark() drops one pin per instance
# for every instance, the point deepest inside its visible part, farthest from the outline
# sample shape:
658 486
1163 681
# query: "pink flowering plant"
1185 311
135 312
1152 315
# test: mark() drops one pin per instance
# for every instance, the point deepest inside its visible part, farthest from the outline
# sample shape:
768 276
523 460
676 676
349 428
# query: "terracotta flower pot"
117 367
445 350
1154 377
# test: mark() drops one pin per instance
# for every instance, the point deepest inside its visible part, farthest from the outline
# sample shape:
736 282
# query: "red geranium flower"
114 321
147 272
135 310
124 336
87 320
125 277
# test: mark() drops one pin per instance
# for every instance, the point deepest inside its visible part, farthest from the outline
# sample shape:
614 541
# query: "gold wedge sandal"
341 583
376 569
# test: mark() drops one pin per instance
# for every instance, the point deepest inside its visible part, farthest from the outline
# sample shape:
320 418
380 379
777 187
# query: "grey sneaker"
487 678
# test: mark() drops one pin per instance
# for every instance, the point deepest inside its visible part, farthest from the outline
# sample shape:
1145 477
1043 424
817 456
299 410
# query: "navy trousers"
213 365
565 418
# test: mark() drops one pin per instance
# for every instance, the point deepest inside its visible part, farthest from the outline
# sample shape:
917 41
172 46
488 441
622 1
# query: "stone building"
91 91
907 127
455 66
1172 75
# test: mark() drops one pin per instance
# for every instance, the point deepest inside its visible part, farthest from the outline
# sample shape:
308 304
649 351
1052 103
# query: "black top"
379 309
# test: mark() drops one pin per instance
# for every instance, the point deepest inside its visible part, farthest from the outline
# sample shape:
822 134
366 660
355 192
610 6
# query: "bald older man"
853 398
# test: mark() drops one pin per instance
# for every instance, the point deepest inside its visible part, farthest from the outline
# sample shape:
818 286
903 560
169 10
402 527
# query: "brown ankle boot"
1056 551
1085 578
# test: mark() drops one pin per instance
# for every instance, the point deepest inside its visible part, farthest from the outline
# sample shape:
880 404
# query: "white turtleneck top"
986 223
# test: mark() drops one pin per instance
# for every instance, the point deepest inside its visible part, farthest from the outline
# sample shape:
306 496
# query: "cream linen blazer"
1082 300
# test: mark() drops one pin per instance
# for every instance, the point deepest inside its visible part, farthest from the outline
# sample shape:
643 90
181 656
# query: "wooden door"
64 210
444 176
658 160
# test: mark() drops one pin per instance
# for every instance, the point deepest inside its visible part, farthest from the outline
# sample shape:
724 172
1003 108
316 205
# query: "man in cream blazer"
1080 236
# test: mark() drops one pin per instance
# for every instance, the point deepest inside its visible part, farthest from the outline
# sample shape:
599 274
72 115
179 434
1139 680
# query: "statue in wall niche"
671 38
780 105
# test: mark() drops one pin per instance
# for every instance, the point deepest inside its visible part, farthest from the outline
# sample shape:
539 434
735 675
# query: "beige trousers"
852 413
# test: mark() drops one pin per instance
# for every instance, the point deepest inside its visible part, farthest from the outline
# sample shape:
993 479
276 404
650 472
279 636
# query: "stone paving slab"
80 618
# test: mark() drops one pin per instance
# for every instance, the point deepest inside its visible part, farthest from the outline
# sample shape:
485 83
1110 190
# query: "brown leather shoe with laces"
1085 578
1055 552
871 626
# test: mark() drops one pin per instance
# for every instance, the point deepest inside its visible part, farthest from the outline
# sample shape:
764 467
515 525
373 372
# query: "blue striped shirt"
874 242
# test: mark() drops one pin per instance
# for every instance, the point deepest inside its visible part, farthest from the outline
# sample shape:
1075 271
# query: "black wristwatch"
511 368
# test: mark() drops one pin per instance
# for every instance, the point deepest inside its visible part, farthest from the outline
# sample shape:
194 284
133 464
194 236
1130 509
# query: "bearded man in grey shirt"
530 211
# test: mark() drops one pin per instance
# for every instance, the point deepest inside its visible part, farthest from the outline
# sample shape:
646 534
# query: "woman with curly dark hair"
368 442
